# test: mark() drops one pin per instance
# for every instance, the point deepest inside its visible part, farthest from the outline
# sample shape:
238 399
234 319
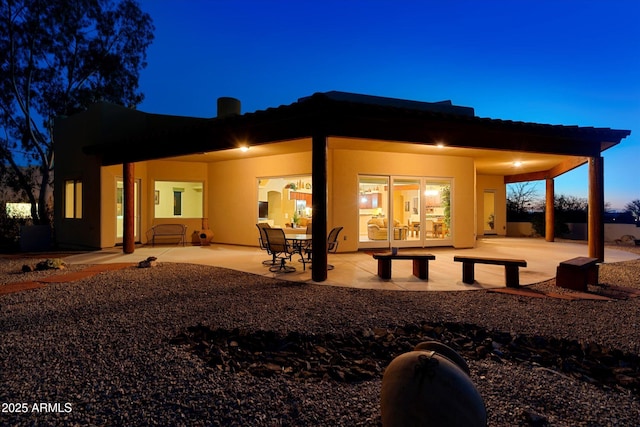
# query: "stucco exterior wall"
230 192
163 170
233 209
347 165
109 176
72 164
496 184
101 123
148 173
232 203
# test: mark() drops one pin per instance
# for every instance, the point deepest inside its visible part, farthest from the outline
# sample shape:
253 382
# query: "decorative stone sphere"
424 388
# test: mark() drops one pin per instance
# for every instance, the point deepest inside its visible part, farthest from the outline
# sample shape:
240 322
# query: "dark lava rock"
355 356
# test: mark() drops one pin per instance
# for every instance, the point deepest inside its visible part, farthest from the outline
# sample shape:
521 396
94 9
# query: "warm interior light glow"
440 145
517 164
244 148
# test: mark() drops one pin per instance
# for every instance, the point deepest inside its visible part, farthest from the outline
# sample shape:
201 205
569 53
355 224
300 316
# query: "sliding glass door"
407 211
404 211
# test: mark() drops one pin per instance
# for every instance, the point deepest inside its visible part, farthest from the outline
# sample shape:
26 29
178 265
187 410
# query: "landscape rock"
354 356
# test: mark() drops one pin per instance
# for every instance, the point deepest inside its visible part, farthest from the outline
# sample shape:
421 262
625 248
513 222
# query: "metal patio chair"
332 245
280 250
263 243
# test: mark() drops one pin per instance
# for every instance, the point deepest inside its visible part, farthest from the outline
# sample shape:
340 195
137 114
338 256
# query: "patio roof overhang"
556 148
375 122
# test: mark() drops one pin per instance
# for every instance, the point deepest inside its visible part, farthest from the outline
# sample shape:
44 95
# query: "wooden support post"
550 215
128 241
319 203
595 226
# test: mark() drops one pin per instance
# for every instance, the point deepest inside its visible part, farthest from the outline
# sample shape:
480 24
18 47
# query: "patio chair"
332 245
306 250
279 249
332 240
263 243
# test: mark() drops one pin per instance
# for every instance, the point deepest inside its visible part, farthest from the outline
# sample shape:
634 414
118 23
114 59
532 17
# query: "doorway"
489 215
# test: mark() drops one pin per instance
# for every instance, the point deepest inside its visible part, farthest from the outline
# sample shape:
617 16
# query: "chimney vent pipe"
228 106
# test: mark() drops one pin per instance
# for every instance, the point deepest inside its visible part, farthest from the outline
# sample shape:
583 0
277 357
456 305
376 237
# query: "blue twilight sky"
570 62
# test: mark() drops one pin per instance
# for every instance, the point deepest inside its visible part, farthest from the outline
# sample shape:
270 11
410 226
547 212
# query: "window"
178 199
285 201
73 198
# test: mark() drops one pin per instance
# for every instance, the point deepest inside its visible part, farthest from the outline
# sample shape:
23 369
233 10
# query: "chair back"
276 240
309 228
332 240
263 236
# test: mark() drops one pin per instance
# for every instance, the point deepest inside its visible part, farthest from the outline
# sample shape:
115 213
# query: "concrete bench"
576 273
420 264
178 231
512 275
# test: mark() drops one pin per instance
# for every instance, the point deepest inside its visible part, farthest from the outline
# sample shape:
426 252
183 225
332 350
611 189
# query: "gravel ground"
97 352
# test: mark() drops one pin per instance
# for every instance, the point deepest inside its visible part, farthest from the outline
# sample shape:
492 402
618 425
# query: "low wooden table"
420 263
576 273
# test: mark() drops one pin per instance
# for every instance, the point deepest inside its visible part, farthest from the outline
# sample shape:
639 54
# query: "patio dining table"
299 242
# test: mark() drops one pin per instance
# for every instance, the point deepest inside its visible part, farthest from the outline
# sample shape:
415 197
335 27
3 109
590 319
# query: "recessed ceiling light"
244 148
517 164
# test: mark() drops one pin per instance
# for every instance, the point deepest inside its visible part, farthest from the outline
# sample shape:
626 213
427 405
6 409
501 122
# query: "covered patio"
359 269
336 139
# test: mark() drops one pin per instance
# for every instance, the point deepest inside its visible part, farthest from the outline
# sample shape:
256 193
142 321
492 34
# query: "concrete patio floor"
359 269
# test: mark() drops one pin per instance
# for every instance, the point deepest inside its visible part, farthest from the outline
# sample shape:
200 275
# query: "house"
392 172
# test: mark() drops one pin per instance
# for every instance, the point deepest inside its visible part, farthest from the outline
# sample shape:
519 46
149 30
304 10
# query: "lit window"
182 199
73 198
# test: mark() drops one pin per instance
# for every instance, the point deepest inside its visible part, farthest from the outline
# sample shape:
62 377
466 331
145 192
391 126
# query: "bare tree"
522 197
634 208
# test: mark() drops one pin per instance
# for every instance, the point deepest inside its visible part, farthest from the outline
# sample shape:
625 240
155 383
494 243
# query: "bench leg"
384 268
592 275
512 276
468 274
421 269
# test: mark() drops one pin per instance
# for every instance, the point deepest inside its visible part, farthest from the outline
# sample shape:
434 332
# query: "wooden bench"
576 273
169 230
512 276
420 264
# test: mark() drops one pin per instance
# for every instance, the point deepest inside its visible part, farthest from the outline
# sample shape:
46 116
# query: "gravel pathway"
96 351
